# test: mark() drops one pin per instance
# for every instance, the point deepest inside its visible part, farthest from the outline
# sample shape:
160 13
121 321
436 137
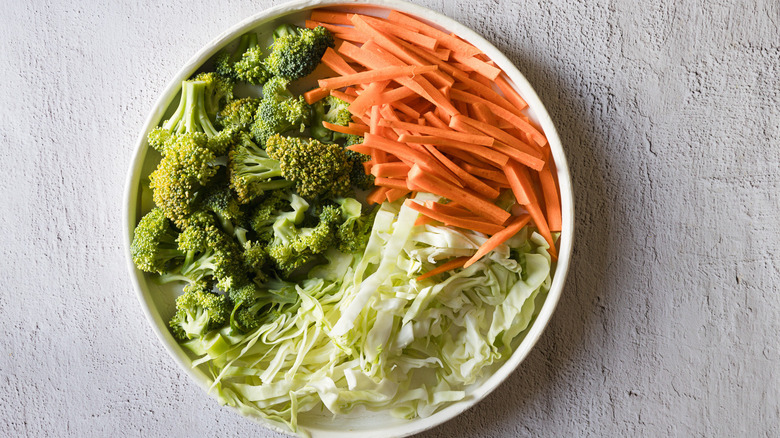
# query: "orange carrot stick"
551 200
402 32
444 267
483 140
509 92
335 62
479 66
358 129
497 239
469 224
393 195
392 183
390 170
377 75
377 196
444 39
521 186
315 94
342 95
328 16
487 153
471 181
420 180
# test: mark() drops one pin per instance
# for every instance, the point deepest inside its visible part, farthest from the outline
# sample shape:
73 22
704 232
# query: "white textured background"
670 320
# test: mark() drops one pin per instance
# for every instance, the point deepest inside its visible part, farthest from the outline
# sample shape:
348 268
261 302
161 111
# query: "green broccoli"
294 246
199 311
357 174
245 63
154 247
279 112
296 51
332 110
219 200
317 169
355 229
256 260
263 216
218 92
252 171
210 253
253 304
238 114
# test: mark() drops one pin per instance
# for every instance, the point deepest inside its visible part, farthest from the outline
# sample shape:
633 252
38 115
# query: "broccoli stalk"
252 171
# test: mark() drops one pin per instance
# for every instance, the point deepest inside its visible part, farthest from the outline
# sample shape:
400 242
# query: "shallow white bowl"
158 302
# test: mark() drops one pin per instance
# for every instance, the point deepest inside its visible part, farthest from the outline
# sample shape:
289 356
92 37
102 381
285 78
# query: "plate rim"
130 201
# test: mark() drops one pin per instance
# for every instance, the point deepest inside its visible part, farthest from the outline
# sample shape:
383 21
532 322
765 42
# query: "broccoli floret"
154 247
357 174
292 246
191 115
185 168
332 110
264 214
316 168
296 51
256 260
199 311
217 93
251 303
252 171
225 61
238 114
219 200
210 253
355 229
279 111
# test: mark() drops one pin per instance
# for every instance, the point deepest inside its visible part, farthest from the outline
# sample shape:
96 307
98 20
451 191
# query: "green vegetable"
296 51
154 247
199 311
332 110
279 112
252 171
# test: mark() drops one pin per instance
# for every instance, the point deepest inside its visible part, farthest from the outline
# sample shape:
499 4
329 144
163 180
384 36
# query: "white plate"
158 302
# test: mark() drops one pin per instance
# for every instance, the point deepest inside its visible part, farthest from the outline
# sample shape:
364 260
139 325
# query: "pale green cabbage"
365 332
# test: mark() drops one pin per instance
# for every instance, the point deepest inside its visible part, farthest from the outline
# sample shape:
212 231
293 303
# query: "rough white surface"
670 320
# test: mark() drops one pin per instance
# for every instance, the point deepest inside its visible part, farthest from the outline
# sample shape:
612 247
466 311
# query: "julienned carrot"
488 153
344 33
524 193
315 94
357 130
336 63
424 220
441 53
552 202
374 60
420 180
509 116
390 170
497 239
342 95
492 175
393 195
367 98
406 109
444 267
360 127
470 224
479 66
394 95
471 181
528 155
377 75
482 113
509 93
451 209
444 39
402 32
377 196
483 140
393 183
327 16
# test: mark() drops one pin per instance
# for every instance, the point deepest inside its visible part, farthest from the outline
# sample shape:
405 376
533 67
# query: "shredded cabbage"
367 333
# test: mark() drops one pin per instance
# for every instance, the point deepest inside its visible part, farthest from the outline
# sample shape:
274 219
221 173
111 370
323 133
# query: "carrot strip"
504 142
406 109
392 183
444 39
402 32
434 121
419 180
551 200
328 16
367 98
467 156
377 75
452 209
509 92
482 113
444 267
377 196
492 175
481 151
345 33
394 95
357 130
509 116
497 239
393 195
336 63
470 180
314 95
390 170
486 91
483 140
440 53
479 66
424 220
342 95
521 186
467 223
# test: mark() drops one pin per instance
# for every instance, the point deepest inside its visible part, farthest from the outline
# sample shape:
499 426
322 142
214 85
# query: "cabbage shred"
364 332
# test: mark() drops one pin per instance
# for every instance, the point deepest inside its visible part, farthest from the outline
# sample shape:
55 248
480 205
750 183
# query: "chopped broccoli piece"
238 114
217 93
225 60
316 168
245 63
154 247
253 304
264 214
332 110
355 229
296 51
199 311
219 200
252 171
279 111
